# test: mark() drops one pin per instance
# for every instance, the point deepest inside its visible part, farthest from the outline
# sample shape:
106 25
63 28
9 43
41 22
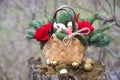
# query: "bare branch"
110 6
112 52
55 4
103 7
114 9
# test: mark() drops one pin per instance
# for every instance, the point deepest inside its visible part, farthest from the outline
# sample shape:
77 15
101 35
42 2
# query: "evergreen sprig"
30 33
33 25
94 18
98 38
36 23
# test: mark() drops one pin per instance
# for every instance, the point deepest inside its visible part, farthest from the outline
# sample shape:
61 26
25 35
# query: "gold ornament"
89 60
87 67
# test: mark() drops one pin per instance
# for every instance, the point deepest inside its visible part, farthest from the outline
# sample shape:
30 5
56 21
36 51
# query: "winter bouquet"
66 36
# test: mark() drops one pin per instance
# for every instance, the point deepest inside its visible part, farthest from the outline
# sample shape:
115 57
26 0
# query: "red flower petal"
41 34
85 24
46 37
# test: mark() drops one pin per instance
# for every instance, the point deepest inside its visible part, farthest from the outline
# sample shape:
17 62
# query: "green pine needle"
40 22
95 37
104 27
30 33
100 40
36 23
42 44
94 18
29 36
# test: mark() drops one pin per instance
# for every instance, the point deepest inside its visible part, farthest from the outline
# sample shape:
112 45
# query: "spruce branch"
94 18
30 33
104 27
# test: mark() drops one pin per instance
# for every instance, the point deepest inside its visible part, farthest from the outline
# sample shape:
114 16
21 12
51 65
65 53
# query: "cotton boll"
59 26
55 25
69 24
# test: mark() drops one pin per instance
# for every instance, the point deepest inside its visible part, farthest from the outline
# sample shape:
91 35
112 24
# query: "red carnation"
41 34
84 24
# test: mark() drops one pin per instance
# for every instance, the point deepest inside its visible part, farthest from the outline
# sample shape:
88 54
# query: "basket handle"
68 7
72 17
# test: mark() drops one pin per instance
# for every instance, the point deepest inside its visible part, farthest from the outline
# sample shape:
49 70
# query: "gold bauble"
89 60
87 67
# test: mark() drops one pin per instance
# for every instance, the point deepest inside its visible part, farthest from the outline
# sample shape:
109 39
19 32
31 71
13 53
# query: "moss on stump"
77 73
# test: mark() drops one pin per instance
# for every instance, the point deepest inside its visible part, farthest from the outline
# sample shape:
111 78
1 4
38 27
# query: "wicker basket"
55 49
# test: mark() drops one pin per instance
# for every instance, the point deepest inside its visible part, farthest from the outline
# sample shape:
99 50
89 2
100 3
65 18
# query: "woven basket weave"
55 49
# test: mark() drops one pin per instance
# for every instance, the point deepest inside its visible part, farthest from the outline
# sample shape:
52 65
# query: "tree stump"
32 62
38 71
